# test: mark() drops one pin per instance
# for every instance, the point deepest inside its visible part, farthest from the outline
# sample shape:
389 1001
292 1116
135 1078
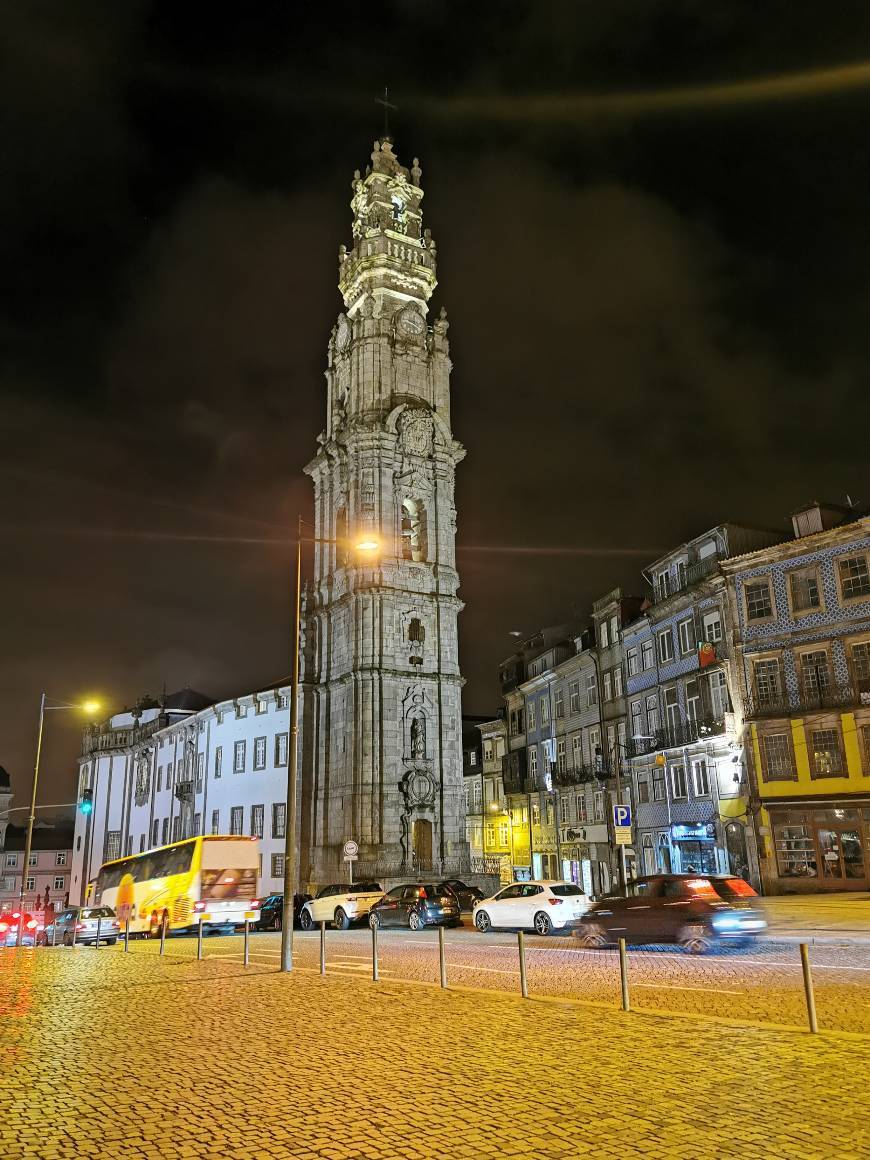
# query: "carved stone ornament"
418 789
343 332
416 430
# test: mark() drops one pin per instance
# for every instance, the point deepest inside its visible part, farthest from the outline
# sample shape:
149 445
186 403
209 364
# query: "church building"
382 727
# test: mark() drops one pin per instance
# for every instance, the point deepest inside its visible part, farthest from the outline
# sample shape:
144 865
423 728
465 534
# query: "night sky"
658 302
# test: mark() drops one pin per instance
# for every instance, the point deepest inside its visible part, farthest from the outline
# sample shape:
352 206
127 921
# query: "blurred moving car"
416 906
544 905
82 924
272 911
341 904
693 910
14 921
466 895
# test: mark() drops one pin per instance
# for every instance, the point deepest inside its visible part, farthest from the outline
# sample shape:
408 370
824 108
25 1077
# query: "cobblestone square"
112 1055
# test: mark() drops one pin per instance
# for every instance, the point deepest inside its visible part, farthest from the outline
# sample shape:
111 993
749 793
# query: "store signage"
694 832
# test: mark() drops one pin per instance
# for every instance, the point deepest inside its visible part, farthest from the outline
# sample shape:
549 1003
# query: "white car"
544 905
341 904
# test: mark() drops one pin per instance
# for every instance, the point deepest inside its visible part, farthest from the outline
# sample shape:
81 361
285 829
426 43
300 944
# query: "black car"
416 906
694 910
466 895
272 911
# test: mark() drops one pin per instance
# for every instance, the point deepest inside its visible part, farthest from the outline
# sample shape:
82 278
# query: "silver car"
82 924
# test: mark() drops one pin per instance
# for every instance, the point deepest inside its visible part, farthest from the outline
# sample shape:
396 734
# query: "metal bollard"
199 952
247 957
75 928
808 988
524 983
442 961
623 975
97 943
54 933
127 936
322 947
162 933
375 953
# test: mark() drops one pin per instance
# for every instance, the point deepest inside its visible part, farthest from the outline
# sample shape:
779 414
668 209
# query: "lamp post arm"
28 841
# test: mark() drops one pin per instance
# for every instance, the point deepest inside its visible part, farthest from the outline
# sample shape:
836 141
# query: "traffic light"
86 804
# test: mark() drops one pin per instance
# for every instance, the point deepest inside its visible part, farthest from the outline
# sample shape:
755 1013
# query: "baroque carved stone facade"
381 728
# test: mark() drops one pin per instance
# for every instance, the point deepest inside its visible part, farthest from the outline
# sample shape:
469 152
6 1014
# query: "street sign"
622 816
351 849
622 835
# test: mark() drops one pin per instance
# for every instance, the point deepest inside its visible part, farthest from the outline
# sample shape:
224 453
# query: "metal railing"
671 736
691 576
783 702
583 774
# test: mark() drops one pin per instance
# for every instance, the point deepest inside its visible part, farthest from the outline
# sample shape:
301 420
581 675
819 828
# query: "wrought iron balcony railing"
682 733
784 703
691 576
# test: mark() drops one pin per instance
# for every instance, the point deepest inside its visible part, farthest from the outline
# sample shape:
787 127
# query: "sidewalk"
819 918
122 1056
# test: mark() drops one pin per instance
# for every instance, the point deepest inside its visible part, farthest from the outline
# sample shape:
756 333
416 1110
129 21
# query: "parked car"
417 905
272 911
693 910
544 905
83 922
466 895
14 921
341 904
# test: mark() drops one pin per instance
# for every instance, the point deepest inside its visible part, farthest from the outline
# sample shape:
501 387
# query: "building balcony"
693 574
672 736
779 703
583 774
103 739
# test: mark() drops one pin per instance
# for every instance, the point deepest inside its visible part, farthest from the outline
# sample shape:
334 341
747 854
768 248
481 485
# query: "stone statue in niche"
418 737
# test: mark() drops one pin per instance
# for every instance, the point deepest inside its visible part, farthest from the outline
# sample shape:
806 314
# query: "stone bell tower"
382 722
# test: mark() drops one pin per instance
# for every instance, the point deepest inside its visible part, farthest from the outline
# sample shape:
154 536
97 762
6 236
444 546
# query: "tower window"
414 546
416 631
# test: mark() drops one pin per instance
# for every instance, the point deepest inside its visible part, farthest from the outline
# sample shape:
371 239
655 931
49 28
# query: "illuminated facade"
381 729
689 782
801 614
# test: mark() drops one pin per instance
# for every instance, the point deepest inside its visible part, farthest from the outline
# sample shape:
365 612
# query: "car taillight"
80 926
555 901
199 906
116 925
255 903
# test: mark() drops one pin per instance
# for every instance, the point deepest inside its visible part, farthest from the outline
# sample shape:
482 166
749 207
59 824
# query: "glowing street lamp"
368 544
90 708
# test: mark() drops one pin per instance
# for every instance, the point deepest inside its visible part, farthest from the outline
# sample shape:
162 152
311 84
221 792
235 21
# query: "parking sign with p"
621 815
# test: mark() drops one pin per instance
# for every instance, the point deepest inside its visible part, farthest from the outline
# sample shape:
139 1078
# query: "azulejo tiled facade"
802 637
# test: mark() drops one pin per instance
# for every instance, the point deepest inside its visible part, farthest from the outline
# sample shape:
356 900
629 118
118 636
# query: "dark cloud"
654 327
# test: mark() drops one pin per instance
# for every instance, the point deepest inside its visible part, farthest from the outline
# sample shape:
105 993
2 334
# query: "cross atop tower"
385 101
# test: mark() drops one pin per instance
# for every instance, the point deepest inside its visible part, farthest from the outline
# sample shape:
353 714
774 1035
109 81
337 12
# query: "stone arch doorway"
421 843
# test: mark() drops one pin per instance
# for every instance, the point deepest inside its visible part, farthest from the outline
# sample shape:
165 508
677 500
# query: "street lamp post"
88 707
290 843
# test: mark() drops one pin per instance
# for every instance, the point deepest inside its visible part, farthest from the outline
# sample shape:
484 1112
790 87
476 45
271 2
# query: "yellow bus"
212 879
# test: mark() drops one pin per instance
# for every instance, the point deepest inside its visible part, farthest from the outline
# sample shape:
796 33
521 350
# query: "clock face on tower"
411 323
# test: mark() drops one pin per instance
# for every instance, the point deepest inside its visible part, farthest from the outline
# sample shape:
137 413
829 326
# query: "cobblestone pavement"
761 983
121 1056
